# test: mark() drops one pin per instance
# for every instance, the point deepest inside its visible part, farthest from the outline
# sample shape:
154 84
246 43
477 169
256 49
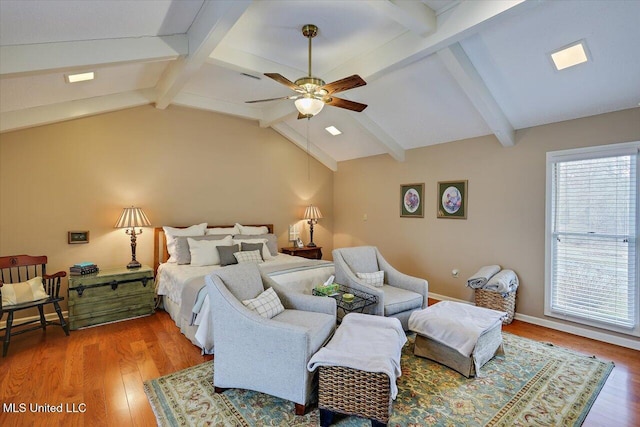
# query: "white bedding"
174 281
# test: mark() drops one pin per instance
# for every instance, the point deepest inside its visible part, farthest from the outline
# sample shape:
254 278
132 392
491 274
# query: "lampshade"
312 212
309 106
132 217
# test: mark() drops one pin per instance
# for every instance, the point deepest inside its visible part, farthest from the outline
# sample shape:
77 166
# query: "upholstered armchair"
264 354
398 294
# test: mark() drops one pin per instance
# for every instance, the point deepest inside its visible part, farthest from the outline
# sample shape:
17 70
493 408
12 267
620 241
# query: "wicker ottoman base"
489 345
353 392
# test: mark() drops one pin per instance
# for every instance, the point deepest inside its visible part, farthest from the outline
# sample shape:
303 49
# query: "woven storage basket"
354 392
495 300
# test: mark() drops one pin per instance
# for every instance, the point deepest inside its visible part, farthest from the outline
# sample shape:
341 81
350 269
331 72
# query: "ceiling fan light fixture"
309 106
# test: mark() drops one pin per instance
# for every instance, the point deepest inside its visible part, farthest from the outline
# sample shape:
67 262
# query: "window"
592 237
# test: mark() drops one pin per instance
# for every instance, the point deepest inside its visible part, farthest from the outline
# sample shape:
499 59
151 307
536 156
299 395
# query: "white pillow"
252 231
171 233
21 292
222 230
374 279
265 250
248 256
267 304
205 252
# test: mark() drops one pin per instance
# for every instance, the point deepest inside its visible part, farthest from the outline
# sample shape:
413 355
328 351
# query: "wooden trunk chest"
110 295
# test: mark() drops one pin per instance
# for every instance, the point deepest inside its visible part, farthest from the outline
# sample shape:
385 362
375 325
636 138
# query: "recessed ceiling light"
333 130
568 56
80 77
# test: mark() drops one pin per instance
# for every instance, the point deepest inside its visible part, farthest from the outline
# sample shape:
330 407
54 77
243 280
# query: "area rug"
533 384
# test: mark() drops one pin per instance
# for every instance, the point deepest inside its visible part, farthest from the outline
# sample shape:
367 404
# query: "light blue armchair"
400 293
266 355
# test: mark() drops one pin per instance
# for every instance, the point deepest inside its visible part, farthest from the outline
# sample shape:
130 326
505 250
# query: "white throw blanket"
504 282
454 324
482 276
367 343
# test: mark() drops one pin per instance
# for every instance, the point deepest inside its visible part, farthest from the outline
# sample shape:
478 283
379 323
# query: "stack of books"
83 268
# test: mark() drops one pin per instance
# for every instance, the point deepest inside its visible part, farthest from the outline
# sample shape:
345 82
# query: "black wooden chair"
20 268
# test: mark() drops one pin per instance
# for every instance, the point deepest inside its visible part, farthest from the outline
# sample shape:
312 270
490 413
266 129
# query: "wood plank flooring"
95 375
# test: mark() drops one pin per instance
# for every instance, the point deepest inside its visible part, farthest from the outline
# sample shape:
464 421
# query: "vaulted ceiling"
436 70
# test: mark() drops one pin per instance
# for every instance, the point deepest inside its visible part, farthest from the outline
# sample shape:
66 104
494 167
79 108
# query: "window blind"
593 240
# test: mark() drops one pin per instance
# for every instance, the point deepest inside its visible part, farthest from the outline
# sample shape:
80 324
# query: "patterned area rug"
534 384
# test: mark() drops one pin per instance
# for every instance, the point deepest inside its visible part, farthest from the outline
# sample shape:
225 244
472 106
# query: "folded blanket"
482 276
504 282
366 343
455 324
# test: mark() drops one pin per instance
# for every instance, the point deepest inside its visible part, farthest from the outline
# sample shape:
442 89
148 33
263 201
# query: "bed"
181 289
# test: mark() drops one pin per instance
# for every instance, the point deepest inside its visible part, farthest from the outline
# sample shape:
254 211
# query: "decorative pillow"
205 252
248 256
183 256
374 279
272 241
266 255
171 233
222 230
267 304
245 247
18 293
226 254
251 230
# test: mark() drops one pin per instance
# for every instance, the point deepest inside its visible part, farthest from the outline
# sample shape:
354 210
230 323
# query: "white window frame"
584 154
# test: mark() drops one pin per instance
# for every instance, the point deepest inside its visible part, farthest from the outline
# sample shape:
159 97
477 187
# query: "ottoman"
460 336
358 368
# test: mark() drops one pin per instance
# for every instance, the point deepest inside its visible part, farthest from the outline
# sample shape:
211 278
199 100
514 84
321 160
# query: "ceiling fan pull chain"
308 155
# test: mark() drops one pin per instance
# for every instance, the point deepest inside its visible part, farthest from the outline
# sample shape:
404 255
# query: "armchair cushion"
397 300
319 325
243 283
362 259
267 304
19 293
374 279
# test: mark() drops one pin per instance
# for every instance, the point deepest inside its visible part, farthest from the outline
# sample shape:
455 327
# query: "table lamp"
312 214
130 219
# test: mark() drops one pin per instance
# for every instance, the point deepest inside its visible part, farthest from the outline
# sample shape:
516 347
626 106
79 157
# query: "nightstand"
306 252
109 295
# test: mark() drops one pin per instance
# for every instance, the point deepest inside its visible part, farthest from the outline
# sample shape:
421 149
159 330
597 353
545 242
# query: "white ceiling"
436 70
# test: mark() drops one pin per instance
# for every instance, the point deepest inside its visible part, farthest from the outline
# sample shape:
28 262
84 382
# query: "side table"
306 252
361 300
109 295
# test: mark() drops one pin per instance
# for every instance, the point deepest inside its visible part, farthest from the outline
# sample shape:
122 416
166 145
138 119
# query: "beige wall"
506 204
183 166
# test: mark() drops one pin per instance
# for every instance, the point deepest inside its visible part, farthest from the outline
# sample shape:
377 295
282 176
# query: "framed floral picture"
452 199
412 200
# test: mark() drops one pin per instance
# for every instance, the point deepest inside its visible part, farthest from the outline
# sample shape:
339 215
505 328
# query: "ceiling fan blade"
283 80
344 103
344 84
273 99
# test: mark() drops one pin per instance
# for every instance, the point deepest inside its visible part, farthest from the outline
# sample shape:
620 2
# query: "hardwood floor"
98 373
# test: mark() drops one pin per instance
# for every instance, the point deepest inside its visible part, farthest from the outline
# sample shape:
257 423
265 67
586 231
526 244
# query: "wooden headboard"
160 253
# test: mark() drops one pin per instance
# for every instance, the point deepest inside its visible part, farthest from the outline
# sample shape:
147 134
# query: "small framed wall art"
452 199
78 237
412 200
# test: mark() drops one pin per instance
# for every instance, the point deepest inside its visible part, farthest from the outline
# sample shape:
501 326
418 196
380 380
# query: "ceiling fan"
313 93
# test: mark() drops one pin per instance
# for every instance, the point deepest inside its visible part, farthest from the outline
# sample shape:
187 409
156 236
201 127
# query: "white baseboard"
49 316
571 329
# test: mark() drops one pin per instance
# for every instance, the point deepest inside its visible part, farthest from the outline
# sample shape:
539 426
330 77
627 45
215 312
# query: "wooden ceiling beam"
212 24
73 55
